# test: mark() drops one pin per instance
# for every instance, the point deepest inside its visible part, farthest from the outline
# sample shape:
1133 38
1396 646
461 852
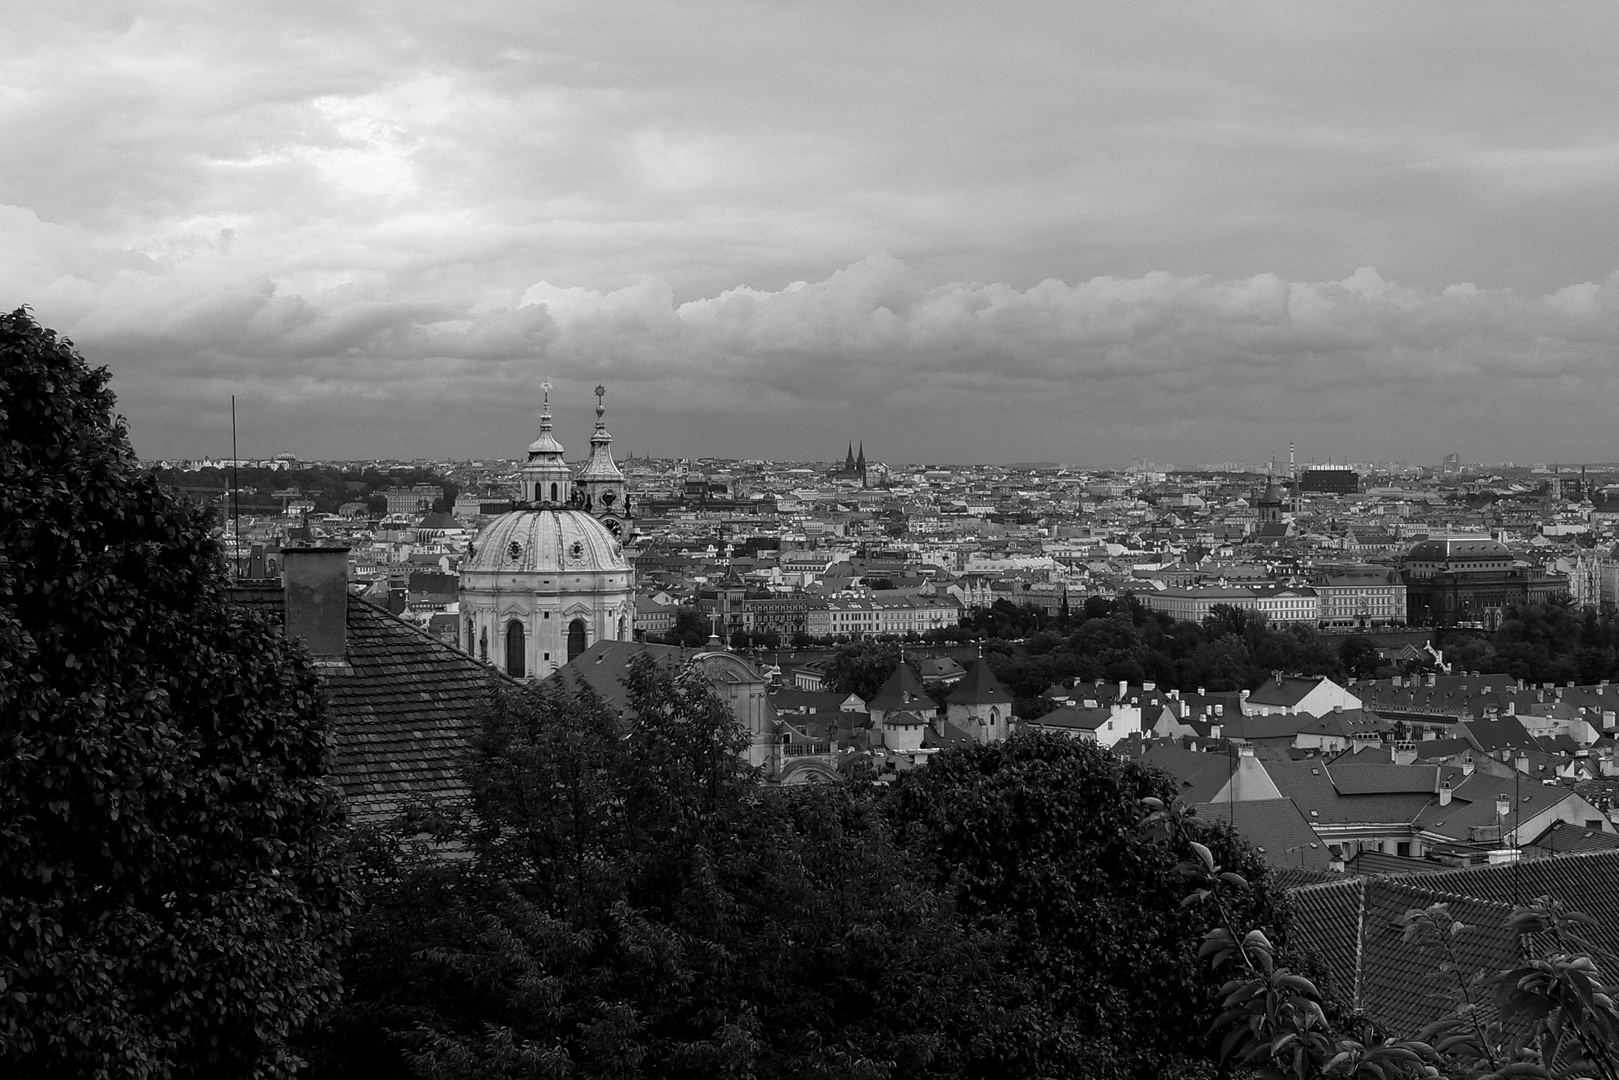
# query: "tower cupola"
546 478
601 483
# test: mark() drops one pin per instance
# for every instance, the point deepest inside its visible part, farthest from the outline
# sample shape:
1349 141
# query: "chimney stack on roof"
315 580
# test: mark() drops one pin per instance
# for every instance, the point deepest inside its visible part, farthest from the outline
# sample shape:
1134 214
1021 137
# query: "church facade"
548 579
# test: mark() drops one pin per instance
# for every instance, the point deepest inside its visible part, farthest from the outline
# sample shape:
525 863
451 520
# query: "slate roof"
1584 882
1347 723
1561 838
902 690
1289 692
1472 804
946 735
1354 927
979 687
1275 828
940 667
1275 726
1072 719
404 713
1309 784
789 700
1373 863
1493 733
403 710
1201 775
1355 778
604 665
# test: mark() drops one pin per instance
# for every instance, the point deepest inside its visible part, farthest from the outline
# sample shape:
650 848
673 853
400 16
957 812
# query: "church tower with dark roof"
979 704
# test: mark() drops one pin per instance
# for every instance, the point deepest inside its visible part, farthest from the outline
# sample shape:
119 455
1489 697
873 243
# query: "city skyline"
1076 233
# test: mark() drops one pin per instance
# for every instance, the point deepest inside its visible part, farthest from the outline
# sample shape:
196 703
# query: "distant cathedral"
854 467
548 579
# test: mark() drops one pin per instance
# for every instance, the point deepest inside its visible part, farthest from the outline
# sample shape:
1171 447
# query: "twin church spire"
548 482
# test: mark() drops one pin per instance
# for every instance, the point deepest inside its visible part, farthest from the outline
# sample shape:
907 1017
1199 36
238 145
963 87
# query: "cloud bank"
970 370
1082 232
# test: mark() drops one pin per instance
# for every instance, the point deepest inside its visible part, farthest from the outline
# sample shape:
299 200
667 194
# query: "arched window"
576 639
470 641
483 644
553 493
514 649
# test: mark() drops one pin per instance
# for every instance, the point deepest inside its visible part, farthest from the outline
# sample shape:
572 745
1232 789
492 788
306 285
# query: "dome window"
514 551
577 550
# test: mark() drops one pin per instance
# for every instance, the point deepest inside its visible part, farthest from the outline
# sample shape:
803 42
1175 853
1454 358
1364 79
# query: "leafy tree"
1553 1014
633 903
1359 656
170 900
690 628
1038 835
861 667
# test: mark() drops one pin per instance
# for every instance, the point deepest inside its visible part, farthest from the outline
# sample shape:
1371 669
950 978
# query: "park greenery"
172 896
631 900
1119 640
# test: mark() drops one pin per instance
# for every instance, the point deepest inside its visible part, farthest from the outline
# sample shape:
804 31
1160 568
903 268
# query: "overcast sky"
958 232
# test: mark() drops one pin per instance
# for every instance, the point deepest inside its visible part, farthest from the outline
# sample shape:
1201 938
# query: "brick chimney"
1444 793
316 583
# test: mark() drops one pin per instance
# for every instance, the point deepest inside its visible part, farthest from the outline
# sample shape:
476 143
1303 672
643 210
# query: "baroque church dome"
546 542
545 581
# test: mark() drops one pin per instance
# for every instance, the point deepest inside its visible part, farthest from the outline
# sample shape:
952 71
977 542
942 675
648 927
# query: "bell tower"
602 488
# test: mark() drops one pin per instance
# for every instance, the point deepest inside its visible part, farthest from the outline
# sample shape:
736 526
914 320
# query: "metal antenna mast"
235 492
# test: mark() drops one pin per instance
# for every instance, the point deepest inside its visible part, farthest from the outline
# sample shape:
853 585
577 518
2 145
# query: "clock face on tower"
614 526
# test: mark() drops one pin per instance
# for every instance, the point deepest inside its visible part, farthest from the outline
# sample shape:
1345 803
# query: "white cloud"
1108 223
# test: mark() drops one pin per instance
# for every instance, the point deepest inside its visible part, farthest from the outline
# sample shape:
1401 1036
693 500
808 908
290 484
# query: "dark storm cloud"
1115 229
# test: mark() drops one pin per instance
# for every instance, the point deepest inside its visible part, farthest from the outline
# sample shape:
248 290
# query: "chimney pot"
315 582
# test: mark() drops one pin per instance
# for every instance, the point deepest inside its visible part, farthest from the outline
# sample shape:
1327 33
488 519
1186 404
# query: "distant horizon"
1567 468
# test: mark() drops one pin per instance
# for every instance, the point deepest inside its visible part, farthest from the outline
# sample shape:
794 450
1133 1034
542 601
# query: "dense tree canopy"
1541 642
861 667
1037 837
169 900
634 903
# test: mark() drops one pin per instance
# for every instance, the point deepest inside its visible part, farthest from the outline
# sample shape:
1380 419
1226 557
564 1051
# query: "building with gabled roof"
901 691
1295 693
404 706
1276 830
980 705
1484 812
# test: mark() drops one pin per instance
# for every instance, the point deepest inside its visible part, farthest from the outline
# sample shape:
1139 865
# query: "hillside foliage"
171 901
633 902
